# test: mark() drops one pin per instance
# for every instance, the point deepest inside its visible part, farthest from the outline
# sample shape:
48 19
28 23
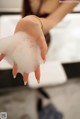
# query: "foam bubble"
23 50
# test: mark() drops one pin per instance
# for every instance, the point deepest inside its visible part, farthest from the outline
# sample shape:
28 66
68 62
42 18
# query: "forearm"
49 22
57 15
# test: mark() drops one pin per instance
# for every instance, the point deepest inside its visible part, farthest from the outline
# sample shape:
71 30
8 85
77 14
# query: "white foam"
23 50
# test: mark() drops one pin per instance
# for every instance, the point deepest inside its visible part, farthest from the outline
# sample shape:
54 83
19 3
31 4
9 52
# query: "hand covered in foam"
23 53
26 48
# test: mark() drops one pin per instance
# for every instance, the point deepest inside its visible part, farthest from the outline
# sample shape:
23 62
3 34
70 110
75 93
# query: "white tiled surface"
65 43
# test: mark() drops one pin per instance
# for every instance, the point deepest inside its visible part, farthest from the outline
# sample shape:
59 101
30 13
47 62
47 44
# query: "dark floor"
20 103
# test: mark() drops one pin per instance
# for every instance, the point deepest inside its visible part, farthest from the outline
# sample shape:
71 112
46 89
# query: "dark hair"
26 9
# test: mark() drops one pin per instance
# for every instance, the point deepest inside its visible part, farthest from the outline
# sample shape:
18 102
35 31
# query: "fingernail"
14 76
25 83
44 58
38 81
44 61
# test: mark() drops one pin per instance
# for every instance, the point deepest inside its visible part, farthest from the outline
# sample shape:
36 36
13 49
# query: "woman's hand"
31 26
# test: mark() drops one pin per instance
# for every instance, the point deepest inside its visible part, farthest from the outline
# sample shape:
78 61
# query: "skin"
32 26
57 11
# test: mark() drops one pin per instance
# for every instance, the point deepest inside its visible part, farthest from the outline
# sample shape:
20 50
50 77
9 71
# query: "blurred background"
61 92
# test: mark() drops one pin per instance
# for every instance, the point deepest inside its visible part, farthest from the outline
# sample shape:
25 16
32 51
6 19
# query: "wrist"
47 25
36 20
44 23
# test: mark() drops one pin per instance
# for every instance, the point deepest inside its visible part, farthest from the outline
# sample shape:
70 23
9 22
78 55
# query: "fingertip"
43 56
2 56
14 70
25 78
37 74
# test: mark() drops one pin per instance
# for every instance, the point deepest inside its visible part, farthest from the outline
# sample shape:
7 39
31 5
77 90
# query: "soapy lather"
23 53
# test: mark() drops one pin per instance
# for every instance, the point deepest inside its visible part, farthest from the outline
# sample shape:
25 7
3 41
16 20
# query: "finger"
43 47
2 56
14 71
25 78
37 74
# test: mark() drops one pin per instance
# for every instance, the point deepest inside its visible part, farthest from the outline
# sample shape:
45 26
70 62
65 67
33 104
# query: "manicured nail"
14 70
38 81
44 61
25 83
14 76
44 58
1 56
